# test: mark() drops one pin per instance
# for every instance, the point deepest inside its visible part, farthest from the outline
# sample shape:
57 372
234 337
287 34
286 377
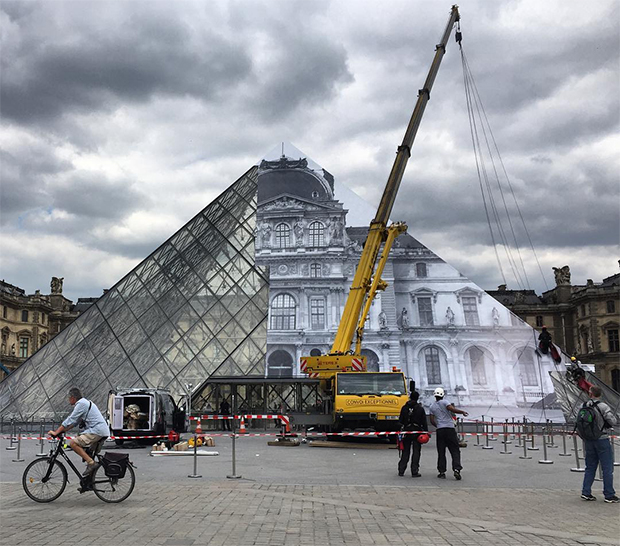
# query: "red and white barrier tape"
72 437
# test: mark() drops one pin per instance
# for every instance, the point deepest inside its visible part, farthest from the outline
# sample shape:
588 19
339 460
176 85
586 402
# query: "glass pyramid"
195 308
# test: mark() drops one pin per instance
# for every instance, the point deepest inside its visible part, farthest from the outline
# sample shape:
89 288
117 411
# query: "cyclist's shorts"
87 440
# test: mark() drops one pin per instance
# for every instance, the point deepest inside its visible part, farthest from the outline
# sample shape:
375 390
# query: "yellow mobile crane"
358 397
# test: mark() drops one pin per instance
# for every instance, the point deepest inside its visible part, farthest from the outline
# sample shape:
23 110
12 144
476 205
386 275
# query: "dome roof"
291 177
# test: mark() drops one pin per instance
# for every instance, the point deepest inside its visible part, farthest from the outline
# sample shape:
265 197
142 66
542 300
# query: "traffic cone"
198 427
242 426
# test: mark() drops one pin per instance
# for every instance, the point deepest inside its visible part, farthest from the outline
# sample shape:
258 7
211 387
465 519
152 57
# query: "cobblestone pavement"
244 513
303 496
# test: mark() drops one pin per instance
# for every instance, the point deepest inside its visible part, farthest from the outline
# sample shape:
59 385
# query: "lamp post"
188 390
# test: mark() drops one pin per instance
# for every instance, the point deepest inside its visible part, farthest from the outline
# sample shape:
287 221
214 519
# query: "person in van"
93 427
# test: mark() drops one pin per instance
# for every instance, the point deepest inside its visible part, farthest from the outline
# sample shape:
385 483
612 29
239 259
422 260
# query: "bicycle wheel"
113 489
39 491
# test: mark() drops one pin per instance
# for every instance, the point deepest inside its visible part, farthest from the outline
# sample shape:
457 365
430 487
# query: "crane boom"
361 287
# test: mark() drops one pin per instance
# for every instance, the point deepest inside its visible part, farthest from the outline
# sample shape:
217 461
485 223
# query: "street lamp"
188 390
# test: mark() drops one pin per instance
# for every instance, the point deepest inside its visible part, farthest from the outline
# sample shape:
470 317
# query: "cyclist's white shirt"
95 423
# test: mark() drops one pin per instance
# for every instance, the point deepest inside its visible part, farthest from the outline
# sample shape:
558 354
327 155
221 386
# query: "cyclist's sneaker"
90 468
612 499
457 474
588 497
442 475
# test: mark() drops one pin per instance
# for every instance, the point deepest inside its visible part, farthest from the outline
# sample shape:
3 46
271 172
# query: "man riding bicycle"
93 427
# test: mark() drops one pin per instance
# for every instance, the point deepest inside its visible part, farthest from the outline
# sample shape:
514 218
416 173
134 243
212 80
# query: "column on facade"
405 366
385 357
500 367
457 365
303 309
417 376
298 355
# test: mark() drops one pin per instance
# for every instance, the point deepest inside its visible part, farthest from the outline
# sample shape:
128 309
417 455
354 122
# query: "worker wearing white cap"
442 417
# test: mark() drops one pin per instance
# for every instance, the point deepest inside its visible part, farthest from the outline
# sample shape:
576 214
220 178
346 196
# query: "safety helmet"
423 438
439 392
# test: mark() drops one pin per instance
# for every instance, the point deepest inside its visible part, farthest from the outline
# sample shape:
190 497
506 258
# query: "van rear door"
116 418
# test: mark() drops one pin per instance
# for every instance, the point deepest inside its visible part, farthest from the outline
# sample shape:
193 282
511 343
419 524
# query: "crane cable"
475 109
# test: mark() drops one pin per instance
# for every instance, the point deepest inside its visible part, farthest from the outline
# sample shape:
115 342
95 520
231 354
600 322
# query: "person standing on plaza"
599 450
225 410
92 425
412 417
442 417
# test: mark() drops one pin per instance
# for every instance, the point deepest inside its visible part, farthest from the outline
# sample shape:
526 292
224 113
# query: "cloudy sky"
122 119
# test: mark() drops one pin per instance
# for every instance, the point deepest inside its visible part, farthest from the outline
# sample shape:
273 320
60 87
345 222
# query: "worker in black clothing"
544 341
412 417
225 410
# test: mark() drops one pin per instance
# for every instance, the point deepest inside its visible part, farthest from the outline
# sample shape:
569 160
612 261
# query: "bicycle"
45 479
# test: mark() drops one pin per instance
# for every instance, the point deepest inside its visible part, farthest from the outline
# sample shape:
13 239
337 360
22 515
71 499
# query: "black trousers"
227 423
409 441
447 438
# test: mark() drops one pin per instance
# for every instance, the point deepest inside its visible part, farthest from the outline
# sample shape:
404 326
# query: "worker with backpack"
412 418
593 423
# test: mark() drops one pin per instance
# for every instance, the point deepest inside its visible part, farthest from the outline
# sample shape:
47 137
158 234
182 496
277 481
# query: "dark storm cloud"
60 63
25 172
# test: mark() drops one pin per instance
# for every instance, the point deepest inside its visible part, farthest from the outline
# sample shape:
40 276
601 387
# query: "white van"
143 412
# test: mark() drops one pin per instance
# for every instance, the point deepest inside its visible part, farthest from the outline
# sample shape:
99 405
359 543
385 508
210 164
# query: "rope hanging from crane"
487 157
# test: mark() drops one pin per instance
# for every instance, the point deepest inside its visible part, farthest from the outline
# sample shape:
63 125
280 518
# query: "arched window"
420 270
433 365
372 360
280 364
478 366
315 270
283 236
316 234
527 368
283 312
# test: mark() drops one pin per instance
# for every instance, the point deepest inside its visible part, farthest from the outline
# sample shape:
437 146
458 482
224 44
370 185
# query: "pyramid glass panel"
157 326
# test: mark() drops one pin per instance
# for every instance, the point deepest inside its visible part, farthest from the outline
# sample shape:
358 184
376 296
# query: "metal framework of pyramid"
195 308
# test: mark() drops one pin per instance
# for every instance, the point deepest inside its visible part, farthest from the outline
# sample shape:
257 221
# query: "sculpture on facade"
450 316
265 230
298 228
56 285
382 320
404 319
562 275
495 315
13 349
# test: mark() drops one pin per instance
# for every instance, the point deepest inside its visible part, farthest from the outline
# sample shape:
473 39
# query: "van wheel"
119 442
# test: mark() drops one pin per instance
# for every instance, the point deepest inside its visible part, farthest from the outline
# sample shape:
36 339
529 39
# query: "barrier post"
234 475
477 435
544 460
576 450
513 430
195 474
41 440
564 453
11 447
533 447
492 437
19 448
552 444
520 434
506 441
613 450
525 455
486 443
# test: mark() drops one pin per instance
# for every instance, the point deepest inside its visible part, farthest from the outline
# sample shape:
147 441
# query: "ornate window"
23 347
283 311
317 313
425 311
612 338
420 270
4 311
433 365
315 270
611 306
527 368
478 366
615 379
539 321
316 234
283 236
24 316
470 308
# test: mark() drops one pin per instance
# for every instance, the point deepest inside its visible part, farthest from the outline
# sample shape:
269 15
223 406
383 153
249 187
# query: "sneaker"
442 475
612 499
401 473
90 468
457 474
416 475
588 497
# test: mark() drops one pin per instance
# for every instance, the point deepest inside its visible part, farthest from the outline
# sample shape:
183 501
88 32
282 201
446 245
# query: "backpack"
411 423
586 425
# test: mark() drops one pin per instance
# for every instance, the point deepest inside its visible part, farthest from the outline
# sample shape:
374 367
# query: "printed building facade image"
258 279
